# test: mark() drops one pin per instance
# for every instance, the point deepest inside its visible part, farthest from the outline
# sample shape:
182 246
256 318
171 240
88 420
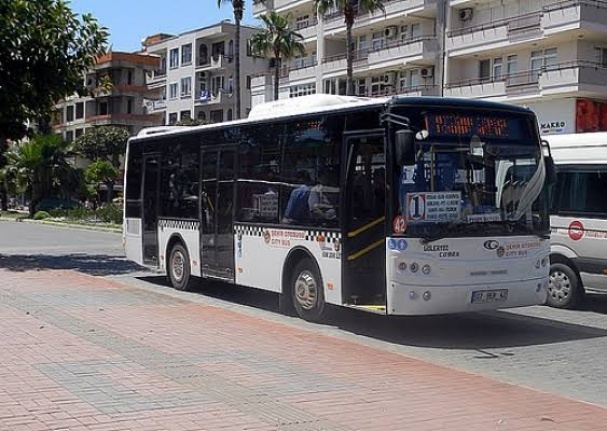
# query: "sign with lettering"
433 206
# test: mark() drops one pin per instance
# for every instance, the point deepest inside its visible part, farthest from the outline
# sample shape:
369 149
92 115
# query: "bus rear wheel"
180 273
564 288
307 291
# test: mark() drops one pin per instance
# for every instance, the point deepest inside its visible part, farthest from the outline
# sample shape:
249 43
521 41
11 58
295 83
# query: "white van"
579 217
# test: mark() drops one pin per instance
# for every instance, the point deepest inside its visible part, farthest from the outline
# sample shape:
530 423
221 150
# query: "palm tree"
40 168
238 7
350 9
277 39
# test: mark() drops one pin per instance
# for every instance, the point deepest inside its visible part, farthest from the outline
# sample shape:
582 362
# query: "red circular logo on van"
576 230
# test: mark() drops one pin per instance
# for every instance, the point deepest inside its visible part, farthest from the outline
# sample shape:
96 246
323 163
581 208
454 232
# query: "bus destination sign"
472 124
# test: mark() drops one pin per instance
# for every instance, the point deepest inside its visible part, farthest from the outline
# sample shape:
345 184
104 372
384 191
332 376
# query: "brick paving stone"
90 354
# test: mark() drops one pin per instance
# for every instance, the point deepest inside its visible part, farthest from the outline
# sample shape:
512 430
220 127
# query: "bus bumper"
404 299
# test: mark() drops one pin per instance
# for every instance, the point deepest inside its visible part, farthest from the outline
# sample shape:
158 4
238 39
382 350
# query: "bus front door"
364 234
217 204
151 189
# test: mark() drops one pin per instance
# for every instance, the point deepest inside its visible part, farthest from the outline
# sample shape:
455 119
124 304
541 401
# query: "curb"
65 225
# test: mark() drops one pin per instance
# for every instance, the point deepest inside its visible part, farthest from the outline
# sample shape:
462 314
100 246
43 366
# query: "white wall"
556 116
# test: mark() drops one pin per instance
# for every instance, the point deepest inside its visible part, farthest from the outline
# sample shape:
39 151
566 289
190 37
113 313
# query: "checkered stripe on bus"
310 235
178 224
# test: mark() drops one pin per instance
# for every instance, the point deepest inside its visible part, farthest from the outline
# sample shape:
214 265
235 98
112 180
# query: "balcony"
398 52
416 90
211 97
580 78
282 6
259 7
157 76
308 30
336 64
215 62
583 14
494 34
305 70
393 8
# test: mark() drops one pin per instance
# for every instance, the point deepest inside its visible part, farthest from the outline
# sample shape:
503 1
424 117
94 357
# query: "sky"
129 21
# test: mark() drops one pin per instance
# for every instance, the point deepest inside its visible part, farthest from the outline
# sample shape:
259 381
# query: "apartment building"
548 55
195 78
120 104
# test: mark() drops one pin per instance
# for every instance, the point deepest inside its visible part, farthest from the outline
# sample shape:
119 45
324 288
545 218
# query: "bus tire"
564 287
307 291
180 273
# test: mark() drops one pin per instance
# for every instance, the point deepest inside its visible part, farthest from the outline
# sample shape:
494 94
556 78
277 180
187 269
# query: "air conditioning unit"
391 32
465 14
390 78
427 72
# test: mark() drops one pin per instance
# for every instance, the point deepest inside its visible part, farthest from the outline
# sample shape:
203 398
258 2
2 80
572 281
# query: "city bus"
578 259
395 206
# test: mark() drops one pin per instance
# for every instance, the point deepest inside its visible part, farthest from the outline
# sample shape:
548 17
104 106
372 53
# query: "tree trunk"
110 191
349 58
276 74
237 19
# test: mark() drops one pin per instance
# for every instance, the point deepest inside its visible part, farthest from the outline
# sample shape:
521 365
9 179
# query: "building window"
69 136
230 115
129 106
186 87
484 71
173 90
185 115
216 116
103 108
79 133
186 54
203 55
248 82
378 41
497 68
216 85
302 22
541 60
361 87
129 77
201 116
79 110
512 68
174 58
69 113
302 90
172 118
601 56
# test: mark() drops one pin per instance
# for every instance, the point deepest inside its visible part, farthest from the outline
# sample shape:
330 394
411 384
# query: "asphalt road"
557 351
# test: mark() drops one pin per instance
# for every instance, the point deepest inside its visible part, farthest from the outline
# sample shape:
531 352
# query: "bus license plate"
487 296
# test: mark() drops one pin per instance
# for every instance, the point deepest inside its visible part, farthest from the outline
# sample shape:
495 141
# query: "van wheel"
307 291
564 287
179 269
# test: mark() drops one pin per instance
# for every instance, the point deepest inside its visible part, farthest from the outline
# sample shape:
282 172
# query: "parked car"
48 204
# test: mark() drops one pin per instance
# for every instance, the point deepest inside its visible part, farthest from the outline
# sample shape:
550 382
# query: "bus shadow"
92 264
471 331
595 302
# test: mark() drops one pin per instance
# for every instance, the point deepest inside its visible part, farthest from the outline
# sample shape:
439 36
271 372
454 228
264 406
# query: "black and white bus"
399 206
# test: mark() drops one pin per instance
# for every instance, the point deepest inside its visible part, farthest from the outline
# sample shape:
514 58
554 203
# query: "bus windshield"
473 175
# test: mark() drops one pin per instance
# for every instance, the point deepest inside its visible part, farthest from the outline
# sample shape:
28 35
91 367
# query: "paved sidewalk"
82 353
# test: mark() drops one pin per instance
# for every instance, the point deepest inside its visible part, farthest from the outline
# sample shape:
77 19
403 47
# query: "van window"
581 191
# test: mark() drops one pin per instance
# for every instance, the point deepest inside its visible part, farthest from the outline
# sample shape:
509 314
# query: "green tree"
278 40
103 143
102 171
350 9
238 8
45 49
40 168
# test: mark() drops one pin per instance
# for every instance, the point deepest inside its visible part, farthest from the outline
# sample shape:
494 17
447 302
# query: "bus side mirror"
404 147
550 170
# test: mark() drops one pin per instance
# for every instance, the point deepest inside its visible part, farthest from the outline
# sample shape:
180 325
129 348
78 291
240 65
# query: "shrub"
111 213
41 215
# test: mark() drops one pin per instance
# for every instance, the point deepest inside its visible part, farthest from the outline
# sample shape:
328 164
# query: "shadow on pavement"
594 302
471 331
92 264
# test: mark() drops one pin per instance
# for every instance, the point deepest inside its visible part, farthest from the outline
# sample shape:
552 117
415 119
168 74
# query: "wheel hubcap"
559 287
177 265
306 290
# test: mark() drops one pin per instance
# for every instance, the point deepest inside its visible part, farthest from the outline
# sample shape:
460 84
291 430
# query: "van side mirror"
550 170
404 147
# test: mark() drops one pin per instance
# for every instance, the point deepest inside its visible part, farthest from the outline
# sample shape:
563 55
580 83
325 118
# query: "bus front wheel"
179 269
564 287
307 291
